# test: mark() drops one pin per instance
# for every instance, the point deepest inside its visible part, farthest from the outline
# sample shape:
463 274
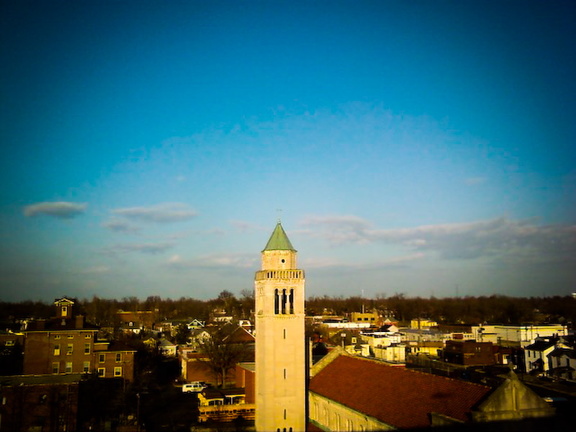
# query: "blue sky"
425 148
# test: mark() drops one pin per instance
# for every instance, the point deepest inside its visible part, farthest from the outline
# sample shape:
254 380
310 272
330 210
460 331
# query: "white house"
536 354
562 363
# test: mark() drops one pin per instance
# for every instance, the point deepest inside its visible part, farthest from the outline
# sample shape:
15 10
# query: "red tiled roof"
396 396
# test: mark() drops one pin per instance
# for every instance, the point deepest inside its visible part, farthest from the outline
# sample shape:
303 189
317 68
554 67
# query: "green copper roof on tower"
279 240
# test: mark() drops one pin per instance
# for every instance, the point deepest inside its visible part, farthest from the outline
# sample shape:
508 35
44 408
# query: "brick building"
66 344
469 352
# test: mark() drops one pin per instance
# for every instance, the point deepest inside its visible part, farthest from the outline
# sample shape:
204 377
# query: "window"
118 371
353 340
86 367
10 343
87 336
57 349
56 367
70 349
276 302
101 358
70 336
118 357
101 372
56 336
64 310
68 367
86 348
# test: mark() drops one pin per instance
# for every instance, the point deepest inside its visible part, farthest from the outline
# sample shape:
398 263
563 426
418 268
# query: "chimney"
79 321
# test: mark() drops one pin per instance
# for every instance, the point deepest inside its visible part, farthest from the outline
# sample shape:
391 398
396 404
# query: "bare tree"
223 354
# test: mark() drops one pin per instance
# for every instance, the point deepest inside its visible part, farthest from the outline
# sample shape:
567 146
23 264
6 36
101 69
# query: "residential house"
114 360
167 348
195 367
195 364
354 393
196 324
536 355
198 337
136 322
351 342
562 363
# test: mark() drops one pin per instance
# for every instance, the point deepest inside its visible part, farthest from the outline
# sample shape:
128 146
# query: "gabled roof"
279 240
239 335
63 300
541 345
366 385
561 352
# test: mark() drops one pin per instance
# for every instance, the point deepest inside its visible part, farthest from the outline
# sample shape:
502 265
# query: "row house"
66 344
562 363
536 355
136 322
553 356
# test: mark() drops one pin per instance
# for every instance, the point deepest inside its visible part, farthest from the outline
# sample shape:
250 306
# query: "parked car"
193 387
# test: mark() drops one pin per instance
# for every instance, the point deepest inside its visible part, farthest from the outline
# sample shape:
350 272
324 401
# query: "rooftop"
384 392
279 240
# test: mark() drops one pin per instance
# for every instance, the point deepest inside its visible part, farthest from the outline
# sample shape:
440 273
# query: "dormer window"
64 311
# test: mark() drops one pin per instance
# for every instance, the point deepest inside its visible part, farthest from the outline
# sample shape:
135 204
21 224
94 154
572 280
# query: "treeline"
451 310
495 309
103 312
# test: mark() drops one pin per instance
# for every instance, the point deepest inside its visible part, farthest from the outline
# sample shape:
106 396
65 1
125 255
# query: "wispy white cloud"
122 226
95 270
57 209
388 262
161 213
214 261
147 248
488 238
245 227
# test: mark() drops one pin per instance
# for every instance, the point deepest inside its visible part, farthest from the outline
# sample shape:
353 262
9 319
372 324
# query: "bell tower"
280 341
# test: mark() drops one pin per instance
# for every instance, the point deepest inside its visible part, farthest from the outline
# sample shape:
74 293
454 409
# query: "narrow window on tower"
284 373
284 301
284 333
292 301
276 301
284 413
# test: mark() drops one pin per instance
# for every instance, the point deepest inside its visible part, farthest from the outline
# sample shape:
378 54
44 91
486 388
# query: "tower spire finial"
279 213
